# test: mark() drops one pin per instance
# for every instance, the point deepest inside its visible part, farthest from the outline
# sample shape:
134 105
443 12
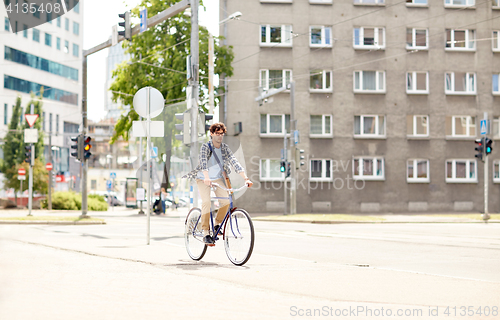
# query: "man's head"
217 131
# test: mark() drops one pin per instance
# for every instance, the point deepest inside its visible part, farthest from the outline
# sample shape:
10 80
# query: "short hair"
217 127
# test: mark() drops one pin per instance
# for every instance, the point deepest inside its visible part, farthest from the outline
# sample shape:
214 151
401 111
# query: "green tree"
13 154
158 59
40 177
39 146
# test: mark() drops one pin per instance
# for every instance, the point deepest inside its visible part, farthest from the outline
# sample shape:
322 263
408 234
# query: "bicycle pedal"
210 244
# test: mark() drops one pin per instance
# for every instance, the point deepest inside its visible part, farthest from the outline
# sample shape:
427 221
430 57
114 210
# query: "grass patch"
322 217
472 216
52 219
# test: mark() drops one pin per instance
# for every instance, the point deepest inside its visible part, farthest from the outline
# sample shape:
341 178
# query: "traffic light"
183 127
282 166
288 169
298 158
28 154
77 147
86 147
127 31
479 148
203 126
488 145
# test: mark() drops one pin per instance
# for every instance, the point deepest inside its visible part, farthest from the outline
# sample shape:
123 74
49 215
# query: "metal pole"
21 192
140 170
30 199
148 158
485 184
84 132
293 127
285 155
49 200
226 85
211 73
194 86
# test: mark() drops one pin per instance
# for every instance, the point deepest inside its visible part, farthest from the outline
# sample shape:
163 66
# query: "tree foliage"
40 177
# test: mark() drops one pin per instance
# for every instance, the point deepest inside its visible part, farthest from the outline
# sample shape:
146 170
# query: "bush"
98 197
66 200
94 204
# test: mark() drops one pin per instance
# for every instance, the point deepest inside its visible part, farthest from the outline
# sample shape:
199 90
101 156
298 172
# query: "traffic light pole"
32 163
486 182
193 83
293 172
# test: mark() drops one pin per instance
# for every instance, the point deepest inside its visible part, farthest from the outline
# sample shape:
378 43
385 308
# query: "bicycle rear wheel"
239 237
193 235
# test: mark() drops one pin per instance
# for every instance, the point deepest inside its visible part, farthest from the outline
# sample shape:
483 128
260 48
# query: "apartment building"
49 56
388 100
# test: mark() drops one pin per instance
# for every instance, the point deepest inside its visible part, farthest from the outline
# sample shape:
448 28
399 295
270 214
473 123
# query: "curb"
371 222
63 223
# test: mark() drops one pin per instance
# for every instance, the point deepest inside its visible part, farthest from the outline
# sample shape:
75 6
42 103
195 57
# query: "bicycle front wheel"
239 237
193 235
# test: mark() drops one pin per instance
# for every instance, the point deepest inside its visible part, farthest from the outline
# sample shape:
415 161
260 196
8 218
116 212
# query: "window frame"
468 127
284 71
496 6
495 93
377 82
495 162
497 40
413 4
268 42
48 39
467 40
36 34
324 78
77 51
324 167
268 134
362 46
361 176
414 82
415 165
276 1
451 5
323 126
414 124
414 39
323 43
268 170
321 1
362 3
454 179
76 31
377 135
452 83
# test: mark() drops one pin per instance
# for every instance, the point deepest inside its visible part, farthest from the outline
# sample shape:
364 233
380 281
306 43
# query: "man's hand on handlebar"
207 182
249 183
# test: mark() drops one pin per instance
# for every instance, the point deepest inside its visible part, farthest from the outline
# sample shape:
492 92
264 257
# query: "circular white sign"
156 102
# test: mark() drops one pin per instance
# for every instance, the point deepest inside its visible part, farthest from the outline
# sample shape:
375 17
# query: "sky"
99 17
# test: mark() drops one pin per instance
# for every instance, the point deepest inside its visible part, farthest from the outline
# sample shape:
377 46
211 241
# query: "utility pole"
293 172
32 163
193 83
49 200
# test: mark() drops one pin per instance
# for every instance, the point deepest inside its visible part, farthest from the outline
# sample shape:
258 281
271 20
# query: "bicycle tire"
239 237
195 246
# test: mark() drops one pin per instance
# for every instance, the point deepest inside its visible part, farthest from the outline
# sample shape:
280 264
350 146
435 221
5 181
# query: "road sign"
484 126
156 102
30 135
112 175
140 129
21 171
21 177
31 118
144 20
154 152
48 166
296 136
109 185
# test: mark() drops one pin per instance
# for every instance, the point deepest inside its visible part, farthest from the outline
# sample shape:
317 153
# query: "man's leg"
205 204
223 204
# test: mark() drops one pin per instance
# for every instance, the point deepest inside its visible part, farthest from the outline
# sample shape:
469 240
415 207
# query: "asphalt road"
298 270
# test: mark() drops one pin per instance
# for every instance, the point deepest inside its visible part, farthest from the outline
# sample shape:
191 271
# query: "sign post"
31 136
484 132
21 176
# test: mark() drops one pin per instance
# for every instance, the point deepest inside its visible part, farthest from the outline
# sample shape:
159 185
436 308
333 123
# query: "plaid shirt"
227 158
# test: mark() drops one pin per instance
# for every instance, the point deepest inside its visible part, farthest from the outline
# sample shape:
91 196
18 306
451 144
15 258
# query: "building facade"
116 55
48 56
388 101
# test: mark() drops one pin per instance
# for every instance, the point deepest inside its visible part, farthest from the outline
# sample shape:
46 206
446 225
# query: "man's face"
217 136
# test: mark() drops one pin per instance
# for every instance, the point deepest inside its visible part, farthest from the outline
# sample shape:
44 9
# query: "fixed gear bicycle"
236 228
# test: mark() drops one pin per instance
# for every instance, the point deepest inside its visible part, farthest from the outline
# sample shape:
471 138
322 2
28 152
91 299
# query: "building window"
76 28
321 1
48 39
495 85
496 4
75 50
36 35
36 14
417 171
495 41
320 36
461 126
460 83
5 113
368 126
416 2
417 126
458 3
93 184
58 21
496 171
274 124
276 1
320 170
372 2
50 123
461 171
320 81
40 63
270 170
369 38
275 79
321 126
58 43
25 31
7 24
417 82
368 168
16 27
464 40
49 17
76 6
57 123
66 24
25 86
66 46
417 39
276 35
369 81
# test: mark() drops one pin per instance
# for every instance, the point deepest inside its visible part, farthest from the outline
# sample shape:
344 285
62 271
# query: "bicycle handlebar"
231 190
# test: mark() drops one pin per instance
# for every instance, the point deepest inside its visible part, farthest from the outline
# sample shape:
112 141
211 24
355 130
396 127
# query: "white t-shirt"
214 170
